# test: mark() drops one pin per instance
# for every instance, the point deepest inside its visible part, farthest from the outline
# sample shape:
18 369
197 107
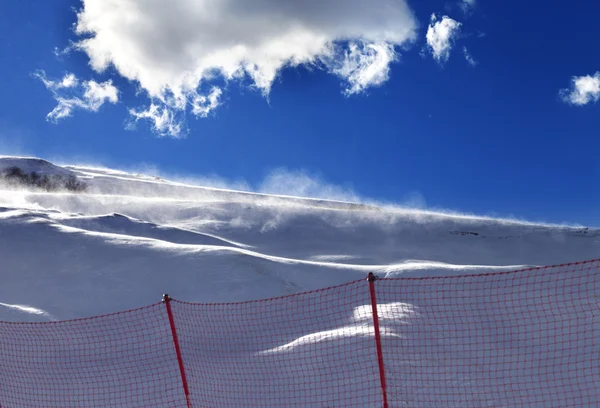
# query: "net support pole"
372 278
167 301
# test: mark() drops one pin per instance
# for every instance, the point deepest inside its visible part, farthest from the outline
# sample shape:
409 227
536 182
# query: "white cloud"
68 81
366 65
467 5
469 57
173 48
168 118
583 90
164 120
96 94
71 94
440 37
202 105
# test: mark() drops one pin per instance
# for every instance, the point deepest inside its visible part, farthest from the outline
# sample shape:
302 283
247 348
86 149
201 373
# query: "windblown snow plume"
176 50
129 237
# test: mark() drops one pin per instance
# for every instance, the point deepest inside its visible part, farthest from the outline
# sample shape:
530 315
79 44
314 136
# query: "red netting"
121 360
519 339
309 350
525 338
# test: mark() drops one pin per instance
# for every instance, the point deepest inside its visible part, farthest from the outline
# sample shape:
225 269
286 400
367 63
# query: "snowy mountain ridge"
131 237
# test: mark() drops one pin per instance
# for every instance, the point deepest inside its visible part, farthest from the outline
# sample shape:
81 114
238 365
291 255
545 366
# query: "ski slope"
132 237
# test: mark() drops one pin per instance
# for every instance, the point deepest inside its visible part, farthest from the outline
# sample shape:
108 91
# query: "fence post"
372 278
167 301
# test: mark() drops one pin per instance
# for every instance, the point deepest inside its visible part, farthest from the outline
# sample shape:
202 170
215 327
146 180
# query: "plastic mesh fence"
121 360
310 350
515 339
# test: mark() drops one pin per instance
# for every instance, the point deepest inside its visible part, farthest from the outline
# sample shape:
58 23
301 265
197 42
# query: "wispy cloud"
165 121
202 105
441 35
174 49
168 119
583 90
366 65
469 57
72 94
467 5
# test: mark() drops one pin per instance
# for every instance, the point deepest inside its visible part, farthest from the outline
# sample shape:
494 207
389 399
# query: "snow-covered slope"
130 238
32 164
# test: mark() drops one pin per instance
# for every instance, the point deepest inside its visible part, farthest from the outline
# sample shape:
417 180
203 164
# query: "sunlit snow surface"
130 238
133 237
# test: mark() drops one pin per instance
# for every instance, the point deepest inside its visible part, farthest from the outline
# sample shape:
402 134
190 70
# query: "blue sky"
363 98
